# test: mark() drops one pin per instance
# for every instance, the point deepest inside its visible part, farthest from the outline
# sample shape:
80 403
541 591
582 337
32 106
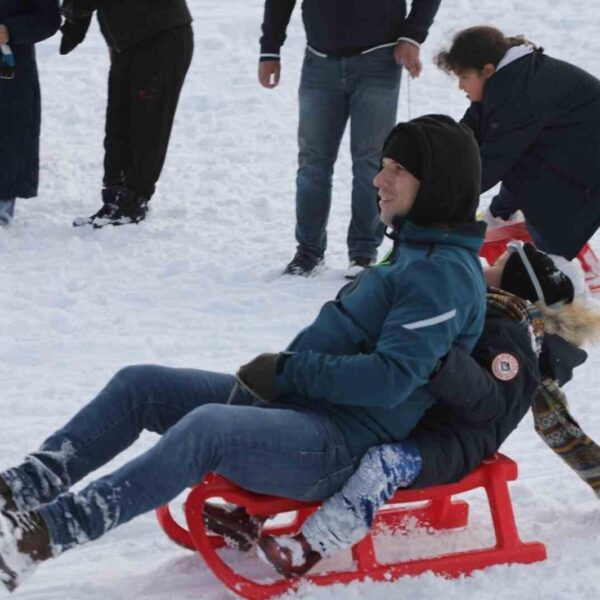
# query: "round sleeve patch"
505 367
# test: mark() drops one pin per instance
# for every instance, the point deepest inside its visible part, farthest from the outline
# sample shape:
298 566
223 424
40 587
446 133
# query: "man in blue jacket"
300 420
351 70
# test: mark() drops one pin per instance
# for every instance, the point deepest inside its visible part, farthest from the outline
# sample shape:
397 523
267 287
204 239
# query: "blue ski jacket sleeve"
431 305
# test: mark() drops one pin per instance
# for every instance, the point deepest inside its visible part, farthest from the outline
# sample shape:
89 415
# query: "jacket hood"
450 170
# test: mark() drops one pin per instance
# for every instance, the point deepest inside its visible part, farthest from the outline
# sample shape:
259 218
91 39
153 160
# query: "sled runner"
440 512
497 238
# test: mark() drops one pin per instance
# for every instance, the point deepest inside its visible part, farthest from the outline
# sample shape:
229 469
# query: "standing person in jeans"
301 420
351 70
151 46
22 24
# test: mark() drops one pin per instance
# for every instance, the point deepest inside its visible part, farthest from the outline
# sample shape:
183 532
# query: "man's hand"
258 376
269 72
4 34
407 54
73 33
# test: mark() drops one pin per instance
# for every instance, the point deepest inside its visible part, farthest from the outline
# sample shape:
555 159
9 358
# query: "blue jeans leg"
303 455
347 516
138 397
323 114
373 109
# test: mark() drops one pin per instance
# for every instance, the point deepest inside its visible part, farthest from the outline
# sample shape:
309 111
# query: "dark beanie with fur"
556 286
444 156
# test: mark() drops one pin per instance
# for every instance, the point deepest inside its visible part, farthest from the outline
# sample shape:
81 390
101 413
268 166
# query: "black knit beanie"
444 156
556 286
404 149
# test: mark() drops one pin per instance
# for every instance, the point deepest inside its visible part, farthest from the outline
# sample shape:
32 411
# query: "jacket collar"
467 235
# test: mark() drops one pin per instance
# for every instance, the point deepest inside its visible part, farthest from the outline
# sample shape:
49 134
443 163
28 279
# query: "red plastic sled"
440 512
497 238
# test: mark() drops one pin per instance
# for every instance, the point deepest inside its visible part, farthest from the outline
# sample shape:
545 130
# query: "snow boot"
290 556
304 264
24 542
7 501
358 265
239 529
121 206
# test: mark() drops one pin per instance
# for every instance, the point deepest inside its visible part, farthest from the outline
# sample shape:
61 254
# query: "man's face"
473 81
397 190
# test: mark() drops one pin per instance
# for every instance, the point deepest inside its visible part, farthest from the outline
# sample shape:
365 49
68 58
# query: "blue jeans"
272 449
365 89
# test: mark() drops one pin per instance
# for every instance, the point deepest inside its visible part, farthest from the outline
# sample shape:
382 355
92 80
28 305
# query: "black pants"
143 90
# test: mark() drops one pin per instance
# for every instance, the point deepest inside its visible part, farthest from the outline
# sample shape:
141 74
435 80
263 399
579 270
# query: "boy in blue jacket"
482 398
301 420
537 120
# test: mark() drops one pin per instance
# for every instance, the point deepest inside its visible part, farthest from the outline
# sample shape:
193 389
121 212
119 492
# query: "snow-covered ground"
198 285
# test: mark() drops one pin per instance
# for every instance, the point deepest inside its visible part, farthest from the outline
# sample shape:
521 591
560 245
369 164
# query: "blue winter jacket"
366 357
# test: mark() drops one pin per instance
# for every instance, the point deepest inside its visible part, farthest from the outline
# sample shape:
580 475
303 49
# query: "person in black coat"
537 120
23 23
151 46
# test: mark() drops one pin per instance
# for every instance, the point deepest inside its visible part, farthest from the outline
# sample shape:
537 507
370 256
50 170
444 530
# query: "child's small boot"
239 529
290 556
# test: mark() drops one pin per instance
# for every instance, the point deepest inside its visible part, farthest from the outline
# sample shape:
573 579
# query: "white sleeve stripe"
432 321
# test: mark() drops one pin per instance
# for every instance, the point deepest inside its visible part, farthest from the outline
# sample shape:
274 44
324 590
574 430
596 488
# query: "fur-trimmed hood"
577 323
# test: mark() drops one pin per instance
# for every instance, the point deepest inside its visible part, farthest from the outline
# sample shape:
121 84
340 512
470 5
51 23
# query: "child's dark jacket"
538 126
479 407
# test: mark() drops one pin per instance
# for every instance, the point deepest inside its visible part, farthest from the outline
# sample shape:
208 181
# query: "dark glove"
258 376
73 33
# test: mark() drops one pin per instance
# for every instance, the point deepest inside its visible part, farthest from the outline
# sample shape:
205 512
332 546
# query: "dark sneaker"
239 529
6 498
304 264
358 265
24 542
289 556
121 206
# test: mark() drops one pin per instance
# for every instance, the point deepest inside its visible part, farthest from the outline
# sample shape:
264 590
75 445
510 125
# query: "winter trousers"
273 449
347 516
144 84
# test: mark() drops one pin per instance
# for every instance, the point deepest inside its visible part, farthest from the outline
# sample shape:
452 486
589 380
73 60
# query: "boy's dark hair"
475 47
